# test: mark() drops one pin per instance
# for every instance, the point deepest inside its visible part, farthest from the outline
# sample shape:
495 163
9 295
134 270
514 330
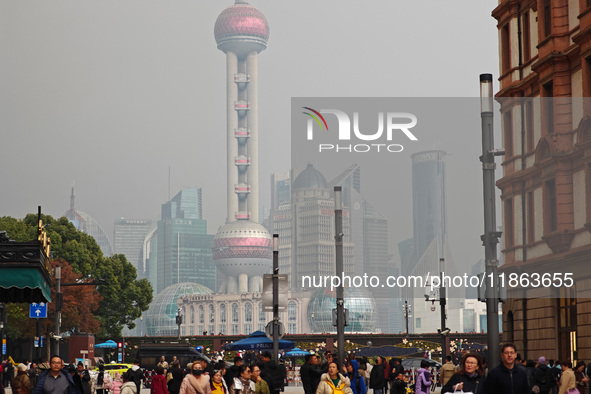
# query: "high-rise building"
242 248
129 236
87 224
182 251
545 82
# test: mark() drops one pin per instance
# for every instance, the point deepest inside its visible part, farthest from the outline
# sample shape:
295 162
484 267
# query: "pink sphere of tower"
241 28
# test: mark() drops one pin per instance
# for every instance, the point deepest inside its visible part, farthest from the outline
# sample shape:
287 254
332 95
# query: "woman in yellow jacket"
333 382
567 379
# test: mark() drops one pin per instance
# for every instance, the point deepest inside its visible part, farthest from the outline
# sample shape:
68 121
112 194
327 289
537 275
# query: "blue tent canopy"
296 352
106 345
257 341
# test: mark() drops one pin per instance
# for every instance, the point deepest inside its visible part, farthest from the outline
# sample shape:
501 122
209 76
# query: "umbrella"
296 352
258 341
106 345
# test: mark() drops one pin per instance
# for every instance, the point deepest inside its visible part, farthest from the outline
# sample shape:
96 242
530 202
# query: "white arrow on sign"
38 312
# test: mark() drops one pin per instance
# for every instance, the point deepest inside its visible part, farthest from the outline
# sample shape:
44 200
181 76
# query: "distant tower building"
129 236
242 248
183 247
87 224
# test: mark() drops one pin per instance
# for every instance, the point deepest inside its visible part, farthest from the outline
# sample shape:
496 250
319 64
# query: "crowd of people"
262 375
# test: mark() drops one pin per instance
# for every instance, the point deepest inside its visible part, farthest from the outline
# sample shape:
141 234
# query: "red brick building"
545 52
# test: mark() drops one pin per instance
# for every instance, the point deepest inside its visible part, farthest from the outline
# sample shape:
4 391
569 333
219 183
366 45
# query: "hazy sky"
110 94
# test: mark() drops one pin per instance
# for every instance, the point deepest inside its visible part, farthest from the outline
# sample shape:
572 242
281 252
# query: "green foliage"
124 298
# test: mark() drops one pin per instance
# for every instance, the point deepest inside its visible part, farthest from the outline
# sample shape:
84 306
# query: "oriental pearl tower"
242 249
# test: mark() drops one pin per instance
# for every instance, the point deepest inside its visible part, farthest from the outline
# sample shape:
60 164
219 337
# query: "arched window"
223 313
292 311
262 317
234 313
248 312
211 318
201 313
192 315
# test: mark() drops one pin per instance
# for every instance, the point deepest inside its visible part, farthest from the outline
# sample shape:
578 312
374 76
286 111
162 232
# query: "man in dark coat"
544 377
507 377
233 371
272 373
56 380
136 375
84 377
377 378
310 373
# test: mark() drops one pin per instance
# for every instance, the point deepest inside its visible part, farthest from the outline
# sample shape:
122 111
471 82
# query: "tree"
122 299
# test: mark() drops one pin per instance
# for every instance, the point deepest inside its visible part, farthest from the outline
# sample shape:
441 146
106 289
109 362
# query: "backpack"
339 389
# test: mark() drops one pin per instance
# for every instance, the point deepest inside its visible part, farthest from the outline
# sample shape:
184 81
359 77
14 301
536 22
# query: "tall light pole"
338 219
179 320
58 308
276 297
442 304
491 235
407 314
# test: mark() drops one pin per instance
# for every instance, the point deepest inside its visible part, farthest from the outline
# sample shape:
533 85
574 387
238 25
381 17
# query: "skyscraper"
183 247
87 224
242 248
128 237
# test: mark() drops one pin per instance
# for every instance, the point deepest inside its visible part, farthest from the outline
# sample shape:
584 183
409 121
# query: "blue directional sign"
38 310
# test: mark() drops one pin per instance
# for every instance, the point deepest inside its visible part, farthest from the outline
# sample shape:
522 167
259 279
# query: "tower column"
231 124
253 141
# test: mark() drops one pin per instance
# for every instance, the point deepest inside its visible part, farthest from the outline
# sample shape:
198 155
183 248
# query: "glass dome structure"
359 302
161 316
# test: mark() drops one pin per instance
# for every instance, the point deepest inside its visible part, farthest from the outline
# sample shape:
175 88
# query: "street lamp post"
442 304
491 235
407 315
179 320
276 297
338 218
58 307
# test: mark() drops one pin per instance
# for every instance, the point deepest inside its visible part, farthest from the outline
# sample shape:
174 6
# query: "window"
508 224
505 48
211 313
529 125
547 17
567 321
508 132
292 311
201 313
530 218
262 317
234 313
550 206
418 322
192 315
526 37
248 313
548 107
223 313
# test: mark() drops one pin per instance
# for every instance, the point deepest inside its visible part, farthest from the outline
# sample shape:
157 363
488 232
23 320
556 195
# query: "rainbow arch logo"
315 116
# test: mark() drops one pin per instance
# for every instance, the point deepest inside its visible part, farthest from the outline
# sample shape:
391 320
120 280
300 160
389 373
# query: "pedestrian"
469 378
328 358
376 378
543 378
507 377
196 382
8 371
260 386
357 382
233 371
158 385
176 378
101 381
399 384
128 386
163 364
117 383
447 370
21 384
568 381
310 373
242 383
581 377
333 382
217 383
84 377
424 380
135 375
56 380
272 373
33 373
